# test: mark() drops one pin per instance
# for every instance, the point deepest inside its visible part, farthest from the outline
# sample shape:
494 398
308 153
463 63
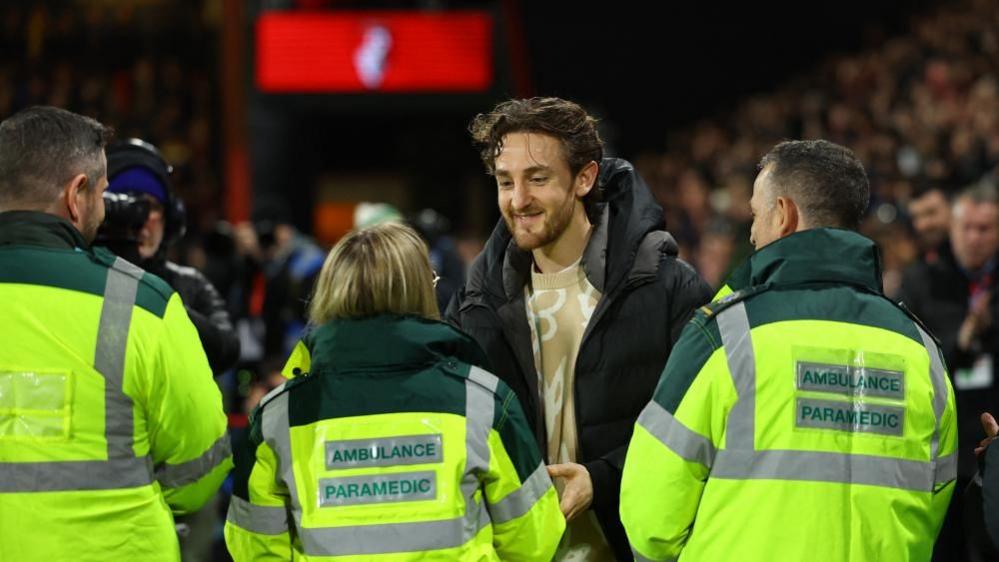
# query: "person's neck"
568 248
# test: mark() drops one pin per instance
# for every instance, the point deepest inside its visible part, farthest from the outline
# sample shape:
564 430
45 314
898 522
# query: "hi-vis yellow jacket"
390 445
109 416
802 417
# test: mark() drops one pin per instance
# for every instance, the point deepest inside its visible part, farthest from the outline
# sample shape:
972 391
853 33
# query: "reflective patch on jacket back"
849 416
389 451
850 380
381 488
35 405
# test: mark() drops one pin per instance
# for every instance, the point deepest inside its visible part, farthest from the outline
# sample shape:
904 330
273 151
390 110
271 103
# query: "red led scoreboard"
371 52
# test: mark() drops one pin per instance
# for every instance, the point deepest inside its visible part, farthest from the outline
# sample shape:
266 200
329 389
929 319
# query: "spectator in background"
281 268
714 254
577 303
435 228
954 297
137 167
929 211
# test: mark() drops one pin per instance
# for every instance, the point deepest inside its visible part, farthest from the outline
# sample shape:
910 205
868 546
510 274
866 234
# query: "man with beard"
929 210
577 299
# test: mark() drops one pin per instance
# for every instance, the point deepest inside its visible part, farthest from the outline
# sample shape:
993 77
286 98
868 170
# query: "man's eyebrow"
538 168
531 170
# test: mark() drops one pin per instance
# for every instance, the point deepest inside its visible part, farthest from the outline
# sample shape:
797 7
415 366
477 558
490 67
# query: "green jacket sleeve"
187 426
674 443
523 503
256 526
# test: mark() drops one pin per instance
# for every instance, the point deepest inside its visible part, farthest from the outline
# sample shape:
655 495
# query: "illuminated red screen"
353 52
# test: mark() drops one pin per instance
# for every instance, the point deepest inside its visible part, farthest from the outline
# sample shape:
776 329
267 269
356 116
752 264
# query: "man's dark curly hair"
562 119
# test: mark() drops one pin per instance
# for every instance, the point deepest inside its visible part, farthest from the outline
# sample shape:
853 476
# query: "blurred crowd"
141 68
921 111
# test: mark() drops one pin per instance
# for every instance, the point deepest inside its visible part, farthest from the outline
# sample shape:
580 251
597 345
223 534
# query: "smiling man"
577 300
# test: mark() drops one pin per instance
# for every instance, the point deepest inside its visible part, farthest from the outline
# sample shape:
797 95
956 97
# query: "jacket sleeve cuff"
606 484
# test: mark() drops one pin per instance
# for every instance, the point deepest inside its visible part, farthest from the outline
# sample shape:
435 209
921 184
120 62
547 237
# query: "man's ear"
787 216
73 193
586 178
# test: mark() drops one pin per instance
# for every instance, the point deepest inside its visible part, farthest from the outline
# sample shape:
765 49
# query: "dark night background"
642 68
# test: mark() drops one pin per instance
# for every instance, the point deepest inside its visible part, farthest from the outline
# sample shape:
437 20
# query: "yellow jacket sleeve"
257 524
673 446
946 472
523 503
187 427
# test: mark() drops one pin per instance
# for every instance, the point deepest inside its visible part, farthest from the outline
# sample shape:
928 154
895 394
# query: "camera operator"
143 219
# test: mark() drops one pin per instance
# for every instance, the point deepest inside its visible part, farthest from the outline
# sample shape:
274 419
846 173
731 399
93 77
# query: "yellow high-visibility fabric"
52 308
762 518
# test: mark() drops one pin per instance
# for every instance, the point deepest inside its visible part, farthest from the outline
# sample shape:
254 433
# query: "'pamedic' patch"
378 488
855 417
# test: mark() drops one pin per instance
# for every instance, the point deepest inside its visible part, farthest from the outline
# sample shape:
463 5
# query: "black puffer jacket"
648 296
207 311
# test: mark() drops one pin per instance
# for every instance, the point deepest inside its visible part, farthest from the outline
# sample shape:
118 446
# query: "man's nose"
521 197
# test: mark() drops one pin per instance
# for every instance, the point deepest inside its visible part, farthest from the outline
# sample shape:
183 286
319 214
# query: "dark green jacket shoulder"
42 249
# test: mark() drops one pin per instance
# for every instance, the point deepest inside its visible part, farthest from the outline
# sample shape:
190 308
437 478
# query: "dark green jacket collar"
389 343
820 255
33 228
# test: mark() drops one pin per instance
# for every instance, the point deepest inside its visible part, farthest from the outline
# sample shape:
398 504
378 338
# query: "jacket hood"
813 256
389 343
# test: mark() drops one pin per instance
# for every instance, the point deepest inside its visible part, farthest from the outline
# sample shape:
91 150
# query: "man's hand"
578 492
991 431
978 320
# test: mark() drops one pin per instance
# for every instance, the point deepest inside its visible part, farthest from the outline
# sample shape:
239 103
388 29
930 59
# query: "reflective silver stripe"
826 467
109 357
260 519
395 537
56 476
122 469
733 324
480 407
946 469
177 475
426 535
389 537
277 434
937 375
521 501
677 437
